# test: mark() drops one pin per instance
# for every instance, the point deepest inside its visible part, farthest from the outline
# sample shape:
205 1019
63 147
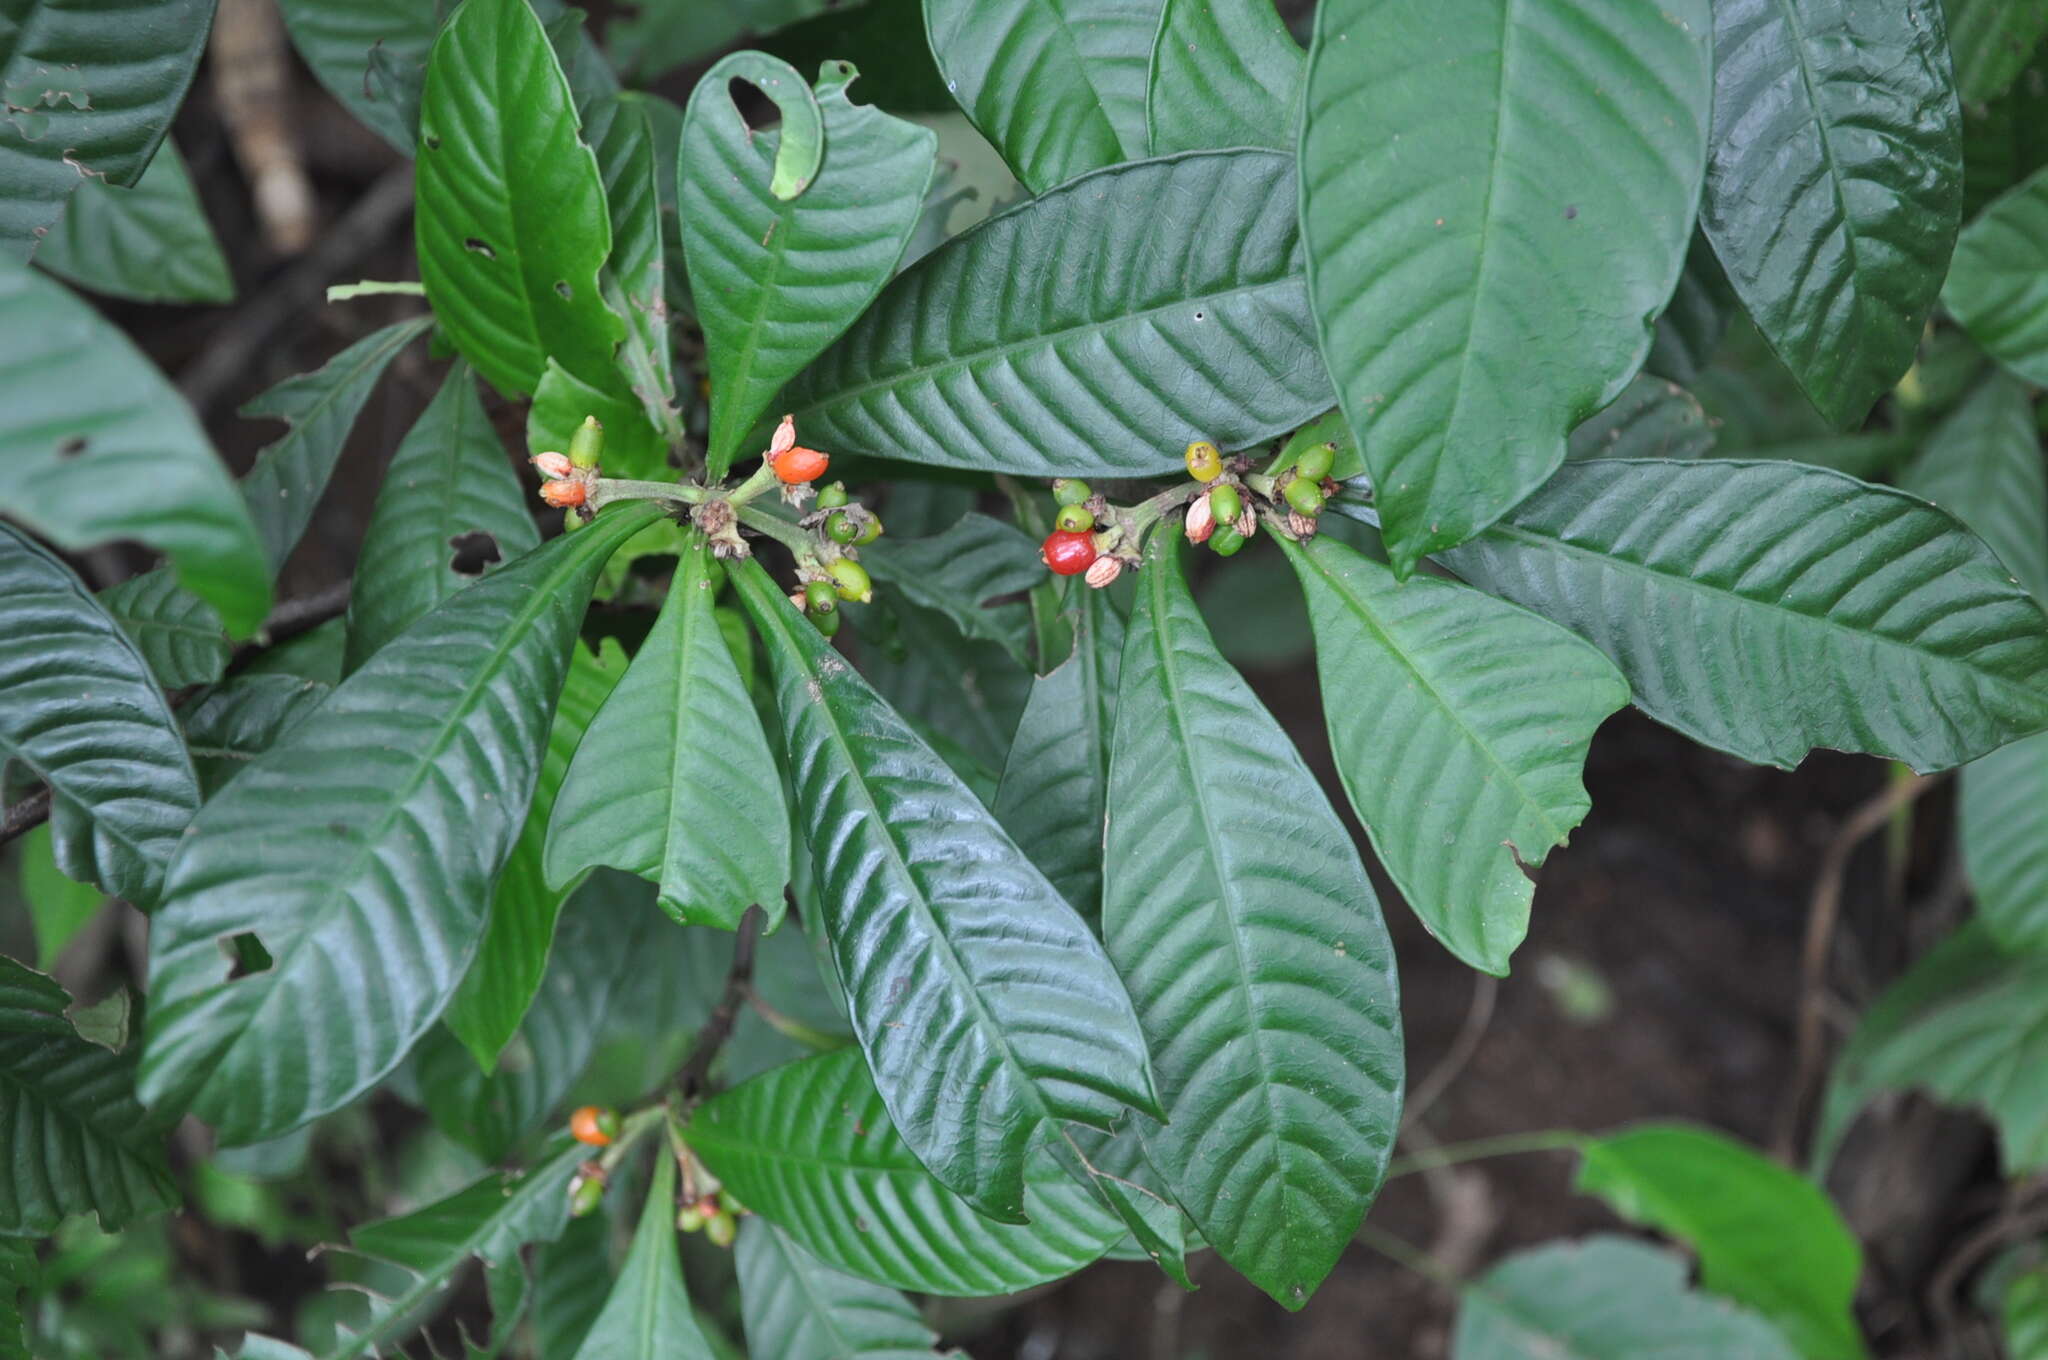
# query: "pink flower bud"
1201 520
1106 569
784 438
553 464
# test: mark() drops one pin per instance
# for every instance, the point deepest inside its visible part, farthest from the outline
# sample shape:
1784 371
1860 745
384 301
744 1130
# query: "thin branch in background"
22 817
1485 991
739 980
252 87
2024 1217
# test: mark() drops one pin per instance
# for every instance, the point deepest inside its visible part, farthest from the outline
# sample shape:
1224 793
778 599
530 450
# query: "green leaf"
674 780
148 243
1008 349
561 401
178 634
795 1305
1767 608
1603 1298
18 1272
1478 183
1652 418
83 716
1239 914
1998 285
777 276
447 483
1983 465
1223 73
665 34
1459 725
1159 1230
620 131
240 720
341 41
1693 323
847 1189
956 572
962 695
1765 1236
648 1315
512 959
2004 816
58 906
89 92
1054 790
113 451
284 486
985 1007
1990 41
2006 140
511 285
371 834
572 1277
77 1140
1968 1024
1058 88
2023 1313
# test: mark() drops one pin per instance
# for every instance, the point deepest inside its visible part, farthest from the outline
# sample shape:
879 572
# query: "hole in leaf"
71 447
482 248
1198 316
757 110
564 291
246 953
474 551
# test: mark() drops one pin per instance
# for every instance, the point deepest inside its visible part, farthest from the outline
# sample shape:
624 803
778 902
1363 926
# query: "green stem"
1421 1262
817 1040
750 489
631 1131
782 531
1451 1154
606 490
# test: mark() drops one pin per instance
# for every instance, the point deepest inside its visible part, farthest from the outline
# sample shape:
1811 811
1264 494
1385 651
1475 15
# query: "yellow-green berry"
871 531
851 579
1205 461
586 446
721 1228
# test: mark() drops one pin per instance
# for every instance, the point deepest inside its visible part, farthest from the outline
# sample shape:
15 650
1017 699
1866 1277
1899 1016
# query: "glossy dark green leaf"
1094 330
284 485
178 633
648 1315
1769 608
238 721
1968 1024
1223 73
1834 188
1241 918
58 906
1990 41
371 834
1984 466
1054 790
89 90
1459 725
665 34
1059 89
561 401
114 452
1603 1298
796 1306
512 282
1159 1230
77 1141
337 39
1482 186
1998 285
1652 418
674 780
620 132
809 1146
510 962
1766 1236
777 277
83 715
149 243
962 695
985 1007
2004 814
959 571
572 1277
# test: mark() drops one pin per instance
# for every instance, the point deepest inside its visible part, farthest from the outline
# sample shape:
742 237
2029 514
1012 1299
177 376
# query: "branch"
717 1029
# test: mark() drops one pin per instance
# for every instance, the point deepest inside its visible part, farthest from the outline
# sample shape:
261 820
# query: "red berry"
1067 553
796 465
594 1125
562 495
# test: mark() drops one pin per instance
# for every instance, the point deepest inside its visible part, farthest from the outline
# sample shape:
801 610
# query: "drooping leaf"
1480 182
1652 418
1834 187
1968 1024
777 277
58 906
82 715
1998 285
1059 89
89 91
1984 466
284 486
1768 608
810 1147
1010 349
957 572
1239 914
510 962
1223 73
512 282
1159 1230
447 484
77 1140
648 1315
985 1007
148 243
370 834
1459 725
620 132
674 780
795 1305
1603 1298
1990 41
238 721
113 451
2004 815
1053 795
1766 1237
178 633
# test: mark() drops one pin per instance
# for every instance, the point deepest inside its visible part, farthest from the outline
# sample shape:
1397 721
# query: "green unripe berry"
1225 503
1074 519
690 1219
820 598
833 496
1226 541
1070 490
585 1194
841 529
826 624
1315 461
586 446
869 532
721 1228
1304 495
1205 461
851 579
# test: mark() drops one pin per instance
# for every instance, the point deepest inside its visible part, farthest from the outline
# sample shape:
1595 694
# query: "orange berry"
562 495
796 465
595 1125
